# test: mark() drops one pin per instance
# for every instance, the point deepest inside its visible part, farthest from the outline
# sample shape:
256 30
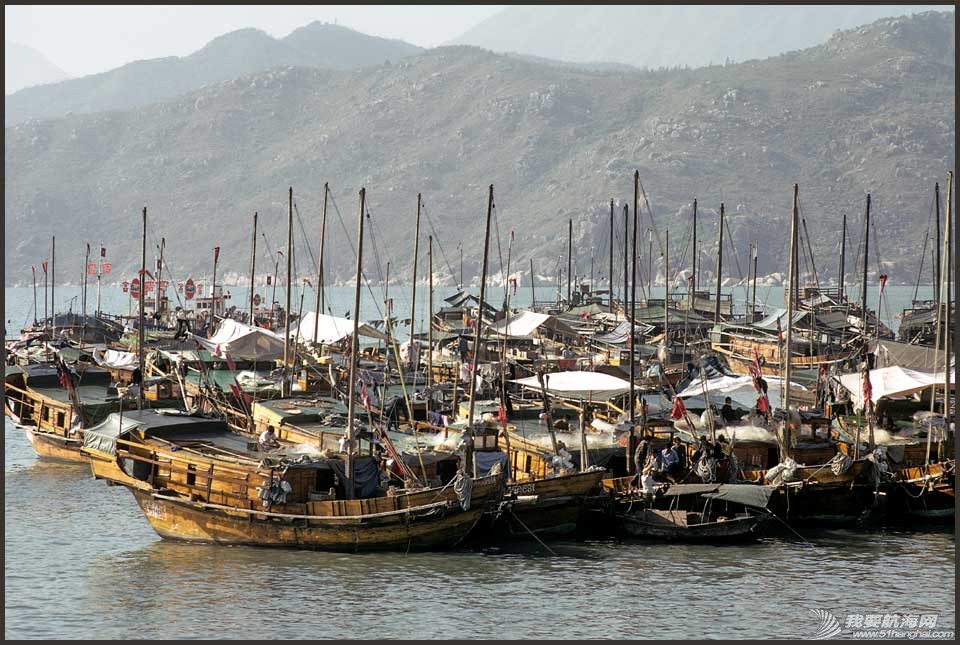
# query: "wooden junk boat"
711 513
36 401
196 480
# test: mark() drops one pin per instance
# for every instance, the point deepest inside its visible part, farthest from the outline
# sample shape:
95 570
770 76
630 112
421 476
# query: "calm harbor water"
82 562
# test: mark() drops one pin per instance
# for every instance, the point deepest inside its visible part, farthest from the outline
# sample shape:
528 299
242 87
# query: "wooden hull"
818 497
925 493
441 525
425 519
552 506
648 524
51 446
739 355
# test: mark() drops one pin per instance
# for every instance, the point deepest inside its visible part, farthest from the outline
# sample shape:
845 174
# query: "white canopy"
115 359
526 323
739 388
890 381
331 329
579 385
243 341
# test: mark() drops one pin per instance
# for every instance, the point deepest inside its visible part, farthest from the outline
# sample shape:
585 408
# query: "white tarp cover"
579 385
331 329
890 381
116 360
738 388
243 341
526 323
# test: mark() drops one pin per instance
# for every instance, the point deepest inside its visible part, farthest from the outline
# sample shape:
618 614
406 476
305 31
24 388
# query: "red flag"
679 409
216 253
762 404
502 416
230 363
883 281
364 395
867 391
44 266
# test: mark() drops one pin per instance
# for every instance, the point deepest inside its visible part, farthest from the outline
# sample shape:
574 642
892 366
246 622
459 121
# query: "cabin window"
46 414
324 481
191 475
60 419
529 463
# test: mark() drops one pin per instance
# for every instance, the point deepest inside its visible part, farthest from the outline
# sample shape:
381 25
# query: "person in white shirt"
268 439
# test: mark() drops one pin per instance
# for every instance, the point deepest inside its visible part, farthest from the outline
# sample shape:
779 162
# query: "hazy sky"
89 39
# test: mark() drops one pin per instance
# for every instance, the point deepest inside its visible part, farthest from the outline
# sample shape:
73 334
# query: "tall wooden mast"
285 384
413 294
476 341
569 262
843 256
786 355
716 309
354 349
866 255
610 273
143 294
253 267
321 288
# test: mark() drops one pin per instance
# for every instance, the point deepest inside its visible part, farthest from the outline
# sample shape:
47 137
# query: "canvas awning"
526 323
770 322
331 329
914 357
745 494
115 359
619 334
890 381
243 341
579 385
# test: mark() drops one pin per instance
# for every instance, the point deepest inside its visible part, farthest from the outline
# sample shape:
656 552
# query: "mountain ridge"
868 110
25 67
237 53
